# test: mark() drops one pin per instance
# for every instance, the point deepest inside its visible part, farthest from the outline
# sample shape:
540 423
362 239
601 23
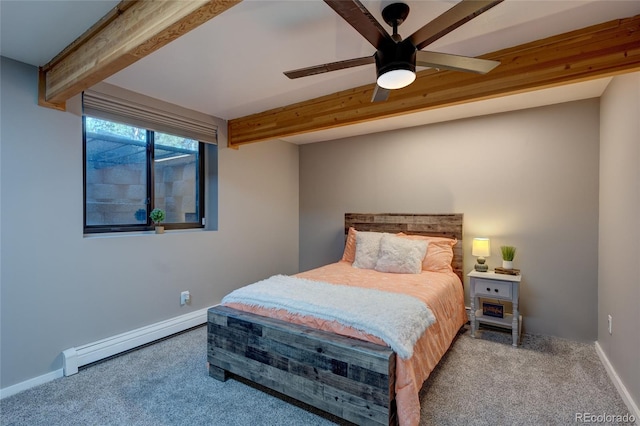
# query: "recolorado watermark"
604 418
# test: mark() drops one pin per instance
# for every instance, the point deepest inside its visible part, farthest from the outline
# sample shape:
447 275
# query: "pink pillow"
439 252
349 254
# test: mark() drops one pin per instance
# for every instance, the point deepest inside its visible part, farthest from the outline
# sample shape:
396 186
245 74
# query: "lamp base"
481 268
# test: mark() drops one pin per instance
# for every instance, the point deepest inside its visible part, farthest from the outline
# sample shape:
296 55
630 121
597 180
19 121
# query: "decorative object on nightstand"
512 271
500 287
481 247
508 253
492 309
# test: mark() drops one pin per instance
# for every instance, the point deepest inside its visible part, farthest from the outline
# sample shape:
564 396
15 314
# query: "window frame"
150 205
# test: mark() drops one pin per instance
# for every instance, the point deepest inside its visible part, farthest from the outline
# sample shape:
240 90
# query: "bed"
339 370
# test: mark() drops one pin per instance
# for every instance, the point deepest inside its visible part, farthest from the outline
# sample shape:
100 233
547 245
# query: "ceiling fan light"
396 79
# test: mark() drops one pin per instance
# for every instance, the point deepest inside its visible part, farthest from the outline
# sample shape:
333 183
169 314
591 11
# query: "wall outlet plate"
185 297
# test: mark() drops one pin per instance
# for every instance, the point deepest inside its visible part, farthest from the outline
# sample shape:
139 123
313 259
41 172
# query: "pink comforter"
442 292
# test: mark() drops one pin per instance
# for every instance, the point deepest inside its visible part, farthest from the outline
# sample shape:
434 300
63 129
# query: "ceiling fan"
396 59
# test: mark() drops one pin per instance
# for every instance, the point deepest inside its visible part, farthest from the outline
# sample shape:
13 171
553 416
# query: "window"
130 170
137 158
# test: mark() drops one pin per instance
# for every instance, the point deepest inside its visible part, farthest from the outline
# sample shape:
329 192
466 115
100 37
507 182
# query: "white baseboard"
27 384
83 355
73 358
622 390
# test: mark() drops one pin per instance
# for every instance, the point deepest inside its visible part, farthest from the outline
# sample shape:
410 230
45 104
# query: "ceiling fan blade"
459 14
359 18
447 61
331 66
380 94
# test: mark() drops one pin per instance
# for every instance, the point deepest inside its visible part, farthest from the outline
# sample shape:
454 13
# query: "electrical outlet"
610 323
185 297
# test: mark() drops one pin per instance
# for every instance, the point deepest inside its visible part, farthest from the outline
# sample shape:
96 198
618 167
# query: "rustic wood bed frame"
347 377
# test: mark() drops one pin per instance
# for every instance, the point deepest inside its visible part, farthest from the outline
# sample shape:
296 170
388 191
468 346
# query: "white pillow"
367 247
400 255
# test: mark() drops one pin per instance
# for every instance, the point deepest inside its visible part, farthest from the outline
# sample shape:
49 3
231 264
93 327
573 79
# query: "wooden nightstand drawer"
492 288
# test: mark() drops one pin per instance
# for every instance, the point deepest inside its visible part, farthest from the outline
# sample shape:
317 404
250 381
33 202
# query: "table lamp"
481 248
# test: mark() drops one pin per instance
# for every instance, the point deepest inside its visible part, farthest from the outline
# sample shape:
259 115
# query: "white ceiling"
232 65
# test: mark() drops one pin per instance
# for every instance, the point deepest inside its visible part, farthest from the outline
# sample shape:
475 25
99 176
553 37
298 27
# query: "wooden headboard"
435 225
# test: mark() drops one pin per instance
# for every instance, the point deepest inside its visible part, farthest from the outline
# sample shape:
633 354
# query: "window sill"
143 233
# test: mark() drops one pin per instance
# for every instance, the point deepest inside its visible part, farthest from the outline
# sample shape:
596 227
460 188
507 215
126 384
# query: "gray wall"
60 289
619 255
526 178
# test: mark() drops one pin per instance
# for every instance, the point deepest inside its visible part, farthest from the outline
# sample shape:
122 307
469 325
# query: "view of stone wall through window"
175 188
116 175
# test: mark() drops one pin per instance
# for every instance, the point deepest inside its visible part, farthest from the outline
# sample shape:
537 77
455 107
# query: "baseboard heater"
74 358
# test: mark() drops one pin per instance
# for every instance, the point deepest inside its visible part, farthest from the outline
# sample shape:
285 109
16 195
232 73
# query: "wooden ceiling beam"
131 31
594 52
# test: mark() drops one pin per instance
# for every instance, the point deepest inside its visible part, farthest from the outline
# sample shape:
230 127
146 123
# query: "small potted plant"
157 216
508 253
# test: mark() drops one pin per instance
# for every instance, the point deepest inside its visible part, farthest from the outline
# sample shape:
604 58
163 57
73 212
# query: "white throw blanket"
397 319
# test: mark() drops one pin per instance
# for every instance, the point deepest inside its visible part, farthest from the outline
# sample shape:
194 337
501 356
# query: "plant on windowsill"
508 253
157 216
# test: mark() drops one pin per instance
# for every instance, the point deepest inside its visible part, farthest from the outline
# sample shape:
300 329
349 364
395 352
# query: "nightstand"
490 285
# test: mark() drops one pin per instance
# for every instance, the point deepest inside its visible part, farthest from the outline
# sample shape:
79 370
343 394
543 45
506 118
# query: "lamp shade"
396 79
481 247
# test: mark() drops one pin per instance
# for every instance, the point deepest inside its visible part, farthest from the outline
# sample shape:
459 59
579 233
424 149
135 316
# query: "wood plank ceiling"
137 28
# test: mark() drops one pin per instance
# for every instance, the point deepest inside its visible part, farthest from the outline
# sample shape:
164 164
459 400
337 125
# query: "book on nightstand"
507 271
